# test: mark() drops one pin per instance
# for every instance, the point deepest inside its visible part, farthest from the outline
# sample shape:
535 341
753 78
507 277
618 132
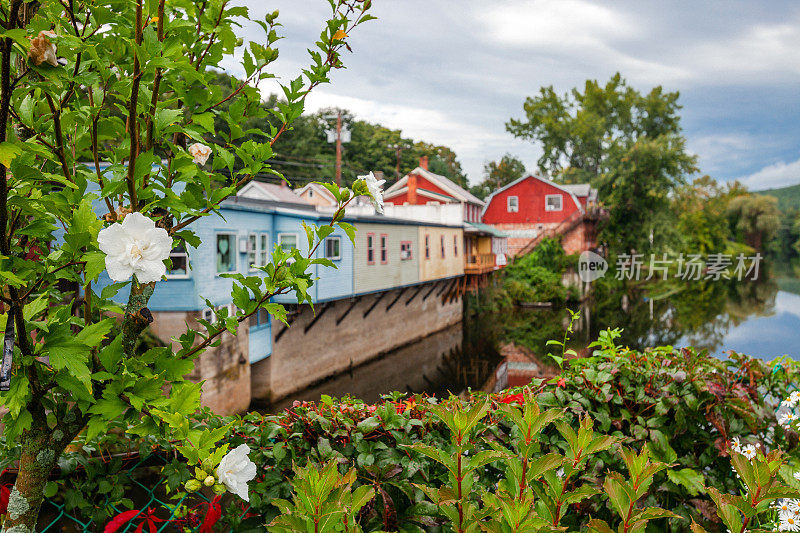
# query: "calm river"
760 319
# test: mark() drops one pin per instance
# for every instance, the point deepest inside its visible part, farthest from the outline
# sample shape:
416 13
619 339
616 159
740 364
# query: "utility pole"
398 149
339 135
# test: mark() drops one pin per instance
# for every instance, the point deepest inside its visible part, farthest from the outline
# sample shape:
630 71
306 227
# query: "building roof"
484 228
309 211
261 190
534 176
319 189
456 191
582 190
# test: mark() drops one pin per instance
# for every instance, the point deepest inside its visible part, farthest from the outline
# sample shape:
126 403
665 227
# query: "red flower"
118 521
212 515
562 383
4 495
512 398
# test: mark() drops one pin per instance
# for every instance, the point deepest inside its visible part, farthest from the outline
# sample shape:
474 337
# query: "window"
384 248
405 250
455 245
287 241
259 318
332 248
263 250
257 250
226 253
513 204
180 263
311 193
370 248
427 246
552 202
252 250
442 243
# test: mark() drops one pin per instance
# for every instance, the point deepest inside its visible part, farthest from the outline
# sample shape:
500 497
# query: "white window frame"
336 238
257 250
289 233
560 202
185 253
515 207
234 251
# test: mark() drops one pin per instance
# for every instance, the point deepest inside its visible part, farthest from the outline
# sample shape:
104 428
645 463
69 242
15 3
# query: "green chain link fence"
62 512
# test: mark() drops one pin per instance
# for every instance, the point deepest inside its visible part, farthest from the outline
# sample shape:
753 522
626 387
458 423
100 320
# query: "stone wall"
302 358
224 369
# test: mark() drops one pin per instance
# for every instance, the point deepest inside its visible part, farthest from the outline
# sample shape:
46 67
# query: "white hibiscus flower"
236 469
200 152
375 191
797 475
135 246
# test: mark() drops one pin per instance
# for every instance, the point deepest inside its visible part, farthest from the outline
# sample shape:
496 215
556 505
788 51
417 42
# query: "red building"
422 187
532 205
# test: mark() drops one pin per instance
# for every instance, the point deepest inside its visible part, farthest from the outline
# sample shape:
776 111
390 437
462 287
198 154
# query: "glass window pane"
226 256
251 253
288 241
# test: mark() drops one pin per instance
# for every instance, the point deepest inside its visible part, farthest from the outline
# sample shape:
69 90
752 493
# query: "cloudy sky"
454 71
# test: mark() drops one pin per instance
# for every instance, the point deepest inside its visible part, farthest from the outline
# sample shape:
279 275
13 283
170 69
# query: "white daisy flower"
788 521
749 451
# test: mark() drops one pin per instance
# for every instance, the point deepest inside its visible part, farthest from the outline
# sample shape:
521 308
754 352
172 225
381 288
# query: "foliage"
626 144
323 501
788 197
701 211
304 154
134 92
536 277
543 457
498 174
755 218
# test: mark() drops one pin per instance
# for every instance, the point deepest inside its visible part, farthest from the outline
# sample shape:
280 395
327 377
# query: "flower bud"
192 485
199 474
209 481
219 489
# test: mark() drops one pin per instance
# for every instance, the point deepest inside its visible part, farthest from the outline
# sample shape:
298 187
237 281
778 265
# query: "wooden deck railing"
479 263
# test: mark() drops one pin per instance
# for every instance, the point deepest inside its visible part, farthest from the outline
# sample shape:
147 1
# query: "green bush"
655 427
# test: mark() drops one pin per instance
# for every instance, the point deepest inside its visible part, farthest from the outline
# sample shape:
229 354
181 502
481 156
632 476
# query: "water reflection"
448 361
750 317
753 318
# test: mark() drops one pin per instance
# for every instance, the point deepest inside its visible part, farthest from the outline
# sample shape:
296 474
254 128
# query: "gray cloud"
453 71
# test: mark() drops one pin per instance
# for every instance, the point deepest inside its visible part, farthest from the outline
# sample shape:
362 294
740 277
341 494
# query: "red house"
422 187
531 205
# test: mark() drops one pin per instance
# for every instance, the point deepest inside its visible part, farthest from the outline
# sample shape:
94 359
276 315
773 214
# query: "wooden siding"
531 193
376 276
434 266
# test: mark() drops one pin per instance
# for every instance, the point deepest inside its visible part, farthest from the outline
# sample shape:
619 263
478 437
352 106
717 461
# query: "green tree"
755 219
701 212
498 174
133 85
626 144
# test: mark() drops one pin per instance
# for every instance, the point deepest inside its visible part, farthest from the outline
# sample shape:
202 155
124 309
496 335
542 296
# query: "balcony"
480 264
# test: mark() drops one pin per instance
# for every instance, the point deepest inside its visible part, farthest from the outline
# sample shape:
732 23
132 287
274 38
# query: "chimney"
423 162
412 188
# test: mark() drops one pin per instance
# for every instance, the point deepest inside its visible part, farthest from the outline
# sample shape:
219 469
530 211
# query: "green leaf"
8 151
691 480
167 117
185 398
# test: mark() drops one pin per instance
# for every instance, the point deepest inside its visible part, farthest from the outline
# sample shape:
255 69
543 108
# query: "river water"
760 319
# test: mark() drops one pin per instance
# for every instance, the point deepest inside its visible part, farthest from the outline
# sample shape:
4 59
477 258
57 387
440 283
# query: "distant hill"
788 197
